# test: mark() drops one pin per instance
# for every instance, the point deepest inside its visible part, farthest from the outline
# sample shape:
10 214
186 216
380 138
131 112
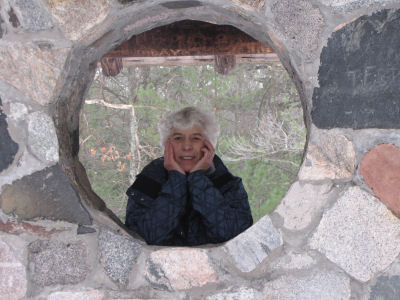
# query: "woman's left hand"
206 161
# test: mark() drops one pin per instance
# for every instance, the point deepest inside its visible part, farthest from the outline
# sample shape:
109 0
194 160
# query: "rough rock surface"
13 283
77 18
251 4
54 262
349 86
293 261
329 156
302 203
236 294
42 138
180 268
8 148
380 170
321 285
251 247
118 254
25 227
33 68
300 24
46 194
81 295
34 17
359 234
386 287
349 5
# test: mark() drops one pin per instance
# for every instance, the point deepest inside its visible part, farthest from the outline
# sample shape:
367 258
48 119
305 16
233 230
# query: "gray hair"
187 118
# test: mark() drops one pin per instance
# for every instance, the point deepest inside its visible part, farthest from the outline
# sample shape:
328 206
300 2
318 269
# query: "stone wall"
336 233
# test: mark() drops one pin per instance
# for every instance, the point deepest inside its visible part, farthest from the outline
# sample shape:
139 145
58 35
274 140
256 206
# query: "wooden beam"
197 60
190 38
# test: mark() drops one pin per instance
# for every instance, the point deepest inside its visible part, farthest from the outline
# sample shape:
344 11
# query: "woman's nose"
187 145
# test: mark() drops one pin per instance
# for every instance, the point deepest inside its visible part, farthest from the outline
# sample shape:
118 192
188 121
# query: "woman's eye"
177 138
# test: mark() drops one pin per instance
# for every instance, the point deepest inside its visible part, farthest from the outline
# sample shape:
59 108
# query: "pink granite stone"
184 268
18 228
13 283
329 156
32 68
78 18
380 168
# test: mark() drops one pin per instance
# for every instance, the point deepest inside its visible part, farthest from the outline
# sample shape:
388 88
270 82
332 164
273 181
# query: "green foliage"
265 181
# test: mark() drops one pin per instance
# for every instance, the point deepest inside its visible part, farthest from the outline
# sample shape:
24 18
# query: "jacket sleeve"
222 203
153 212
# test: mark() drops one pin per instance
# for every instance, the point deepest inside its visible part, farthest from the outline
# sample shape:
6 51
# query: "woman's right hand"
169 158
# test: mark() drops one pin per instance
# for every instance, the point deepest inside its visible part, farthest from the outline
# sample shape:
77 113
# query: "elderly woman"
188 197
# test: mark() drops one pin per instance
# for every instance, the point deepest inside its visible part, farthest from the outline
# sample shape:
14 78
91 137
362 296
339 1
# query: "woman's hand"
206 161
169 158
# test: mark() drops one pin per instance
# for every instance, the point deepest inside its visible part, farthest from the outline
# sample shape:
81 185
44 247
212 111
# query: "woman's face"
187 144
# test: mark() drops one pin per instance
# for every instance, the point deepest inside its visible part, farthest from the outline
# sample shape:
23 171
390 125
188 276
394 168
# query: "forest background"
257 106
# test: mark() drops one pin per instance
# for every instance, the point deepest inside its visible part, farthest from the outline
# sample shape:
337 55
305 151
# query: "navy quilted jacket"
169 208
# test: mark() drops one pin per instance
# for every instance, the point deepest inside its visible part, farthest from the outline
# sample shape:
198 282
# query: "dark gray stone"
387 288
1 24
128 1
13 19
84 229
359 75
117 254
8 148
181 4
44 194
33 16
53 262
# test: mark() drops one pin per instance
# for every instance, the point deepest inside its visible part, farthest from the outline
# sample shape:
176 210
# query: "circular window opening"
254 100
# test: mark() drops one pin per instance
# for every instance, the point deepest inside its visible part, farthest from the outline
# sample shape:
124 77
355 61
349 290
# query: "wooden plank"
196 60
190 38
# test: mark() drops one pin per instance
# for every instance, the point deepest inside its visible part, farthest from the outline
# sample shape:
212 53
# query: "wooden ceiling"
188 43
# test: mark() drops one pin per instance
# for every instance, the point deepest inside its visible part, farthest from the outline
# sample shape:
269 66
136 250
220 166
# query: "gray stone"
84 230
42 138
251 247
182 4
302 204
386 288
118 254
251 4
78 18
349 5
244 293
26 164
13 282
321 285
46 194
293 261
8 148
179 269
77 295
359 234
300 24
18 111
34 17
54 262
32 68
